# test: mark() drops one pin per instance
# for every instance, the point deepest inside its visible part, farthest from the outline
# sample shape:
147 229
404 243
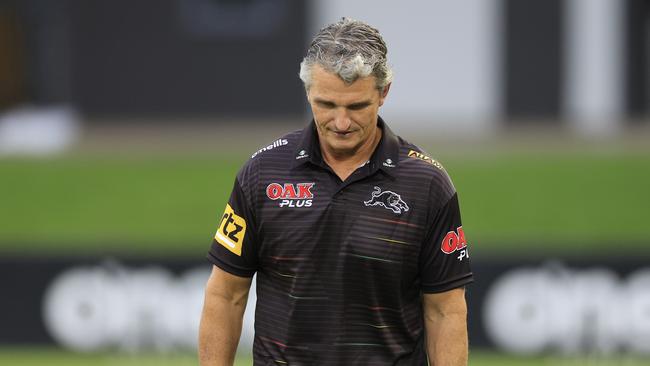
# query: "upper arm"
234 246
228 286
444 256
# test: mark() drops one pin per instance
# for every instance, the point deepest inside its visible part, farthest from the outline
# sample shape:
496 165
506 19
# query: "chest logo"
291 195
387 199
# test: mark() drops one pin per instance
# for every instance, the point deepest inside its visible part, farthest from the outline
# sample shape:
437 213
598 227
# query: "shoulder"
418 165
273 155
276 148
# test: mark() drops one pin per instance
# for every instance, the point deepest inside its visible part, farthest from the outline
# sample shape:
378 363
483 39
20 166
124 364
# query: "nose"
342 121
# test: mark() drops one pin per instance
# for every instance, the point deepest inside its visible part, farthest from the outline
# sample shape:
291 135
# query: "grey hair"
350 49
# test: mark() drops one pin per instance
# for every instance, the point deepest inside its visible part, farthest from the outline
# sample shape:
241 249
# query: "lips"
342 133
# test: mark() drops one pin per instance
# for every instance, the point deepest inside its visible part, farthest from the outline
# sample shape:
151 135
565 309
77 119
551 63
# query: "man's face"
345 115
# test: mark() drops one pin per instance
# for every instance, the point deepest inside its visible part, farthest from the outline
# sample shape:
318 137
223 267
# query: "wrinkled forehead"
328 85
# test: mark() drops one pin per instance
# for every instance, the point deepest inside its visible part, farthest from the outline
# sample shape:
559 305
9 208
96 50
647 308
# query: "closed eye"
326 104
358 106
353 107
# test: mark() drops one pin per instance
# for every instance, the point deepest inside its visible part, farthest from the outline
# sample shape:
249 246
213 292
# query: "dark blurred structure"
164 58
534 55
637 67
556 62
12 75
533 59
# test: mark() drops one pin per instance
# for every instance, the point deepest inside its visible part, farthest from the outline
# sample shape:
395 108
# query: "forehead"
328 86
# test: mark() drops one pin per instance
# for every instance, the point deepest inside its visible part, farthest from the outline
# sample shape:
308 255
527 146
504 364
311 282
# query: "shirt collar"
308 149
385 157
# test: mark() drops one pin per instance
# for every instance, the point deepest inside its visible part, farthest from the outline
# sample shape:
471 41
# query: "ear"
384 94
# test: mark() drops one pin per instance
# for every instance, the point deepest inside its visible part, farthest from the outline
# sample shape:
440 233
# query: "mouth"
342 133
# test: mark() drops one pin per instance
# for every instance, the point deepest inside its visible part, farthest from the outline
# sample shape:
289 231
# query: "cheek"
364 118
324 116
320 117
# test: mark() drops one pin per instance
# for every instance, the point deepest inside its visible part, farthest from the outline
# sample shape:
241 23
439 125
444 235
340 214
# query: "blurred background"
123 124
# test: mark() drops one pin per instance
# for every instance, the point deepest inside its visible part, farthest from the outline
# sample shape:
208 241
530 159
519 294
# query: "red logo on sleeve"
453 241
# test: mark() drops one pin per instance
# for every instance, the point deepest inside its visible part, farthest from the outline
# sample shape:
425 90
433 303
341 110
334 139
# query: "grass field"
170 205
52 357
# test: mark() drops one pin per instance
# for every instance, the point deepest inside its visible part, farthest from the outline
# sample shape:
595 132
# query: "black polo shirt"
341 265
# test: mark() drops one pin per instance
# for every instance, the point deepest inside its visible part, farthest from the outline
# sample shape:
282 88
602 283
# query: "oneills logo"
421 156
231 231
276 143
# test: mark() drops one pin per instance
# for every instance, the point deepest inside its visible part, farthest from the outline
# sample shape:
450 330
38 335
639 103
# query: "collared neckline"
385 157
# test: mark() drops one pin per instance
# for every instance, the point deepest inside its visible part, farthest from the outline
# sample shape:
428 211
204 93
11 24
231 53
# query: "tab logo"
455 241
231 231
291 195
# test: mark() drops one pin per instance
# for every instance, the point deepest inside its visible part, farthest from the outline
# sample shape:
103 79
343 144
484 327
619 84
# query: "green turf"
170 206
484 358
568 203
52 357
113 204
33 356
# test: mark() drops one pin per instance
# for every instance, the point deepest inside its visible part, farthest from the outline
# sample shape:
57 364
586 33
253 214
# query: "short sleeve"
234 244
444 257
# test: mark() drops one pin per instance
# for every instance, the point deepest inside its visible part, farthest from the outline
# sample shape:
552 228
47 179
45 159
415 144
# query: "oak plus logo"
455 241
291 195
387 199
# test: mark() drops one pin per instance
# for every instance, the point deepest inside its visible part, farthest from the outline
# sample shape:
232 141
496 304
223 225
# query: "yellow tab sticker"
421 156
231 231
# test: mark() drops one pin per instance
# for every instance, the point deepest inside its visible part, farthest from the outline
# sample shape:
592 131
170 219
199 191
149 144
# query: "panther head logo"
387 199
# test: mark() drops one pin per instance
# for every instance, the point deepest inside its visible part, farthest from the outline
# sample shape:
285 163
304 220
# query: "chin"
344 148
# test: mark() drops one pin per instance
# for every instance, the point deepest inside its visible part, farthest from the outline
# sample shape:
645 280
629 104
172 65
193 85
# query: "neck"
344 164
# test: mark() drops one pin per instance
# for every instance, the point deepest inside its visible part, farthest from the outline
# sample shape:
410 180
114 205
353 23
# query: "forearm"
445 320
220 329
447 343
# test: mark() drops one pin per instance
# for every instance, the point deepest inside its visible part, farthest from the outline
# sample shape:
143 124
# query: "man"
354 233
